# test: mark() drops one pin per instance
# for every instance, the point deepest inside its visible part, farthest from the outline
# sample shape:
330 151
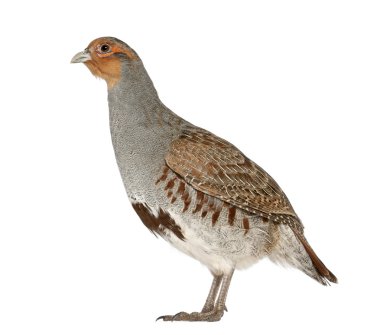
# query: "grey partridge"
193 188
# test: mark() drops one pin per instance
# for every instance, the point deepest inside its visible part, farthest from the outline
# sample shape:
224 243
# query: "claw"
166 317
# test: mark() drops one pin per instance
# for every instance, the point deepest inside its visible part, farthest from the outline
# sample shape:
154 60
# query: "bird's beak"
81 57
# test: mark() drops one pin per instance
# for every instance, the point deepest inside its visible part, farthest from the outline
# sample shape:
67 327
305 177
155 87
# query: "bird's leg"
210 301
221 302
216 313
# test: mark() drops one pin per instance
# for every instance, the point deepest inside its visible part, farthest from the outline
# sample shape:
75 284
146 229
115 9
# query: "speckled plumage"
196 190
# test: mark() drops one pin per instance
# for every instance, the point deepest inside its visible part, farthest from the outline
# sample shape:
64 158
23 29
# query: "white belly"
220 249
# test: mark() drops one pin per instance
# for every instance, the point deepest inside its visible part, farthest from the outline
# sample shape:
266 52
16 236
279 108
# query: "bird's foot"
207 308
210 316
210 307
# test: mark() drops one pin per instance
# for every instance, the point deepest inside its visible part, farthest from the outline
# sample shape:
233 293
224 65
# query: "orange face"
103 57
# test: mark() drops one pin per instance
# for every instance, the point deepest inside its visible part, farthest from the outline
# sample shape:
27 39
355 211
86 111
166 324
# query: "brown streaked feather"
231 215
246 225
215 217
181 188
163 176
157 224
186 201
170 184
217 168
200 201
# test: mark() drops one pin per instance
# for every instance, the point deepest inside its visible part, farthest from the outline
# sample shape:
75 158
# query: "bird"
191 187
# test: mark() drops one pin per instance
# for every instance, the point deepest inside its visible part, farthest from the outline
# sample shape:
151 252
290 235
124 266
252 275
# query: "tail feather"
325 274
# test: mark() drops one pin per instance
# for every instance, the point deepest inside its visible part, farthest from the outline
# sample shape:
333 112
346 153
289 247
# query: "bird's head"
104 57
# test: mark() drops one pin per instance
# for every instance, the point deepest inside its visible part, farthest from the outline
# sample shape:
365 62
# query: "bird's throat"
109 70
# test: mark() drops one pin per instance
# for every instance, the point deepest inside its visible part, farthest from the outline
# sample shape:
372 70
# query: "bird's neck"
134 94
134 100
142 128
139 121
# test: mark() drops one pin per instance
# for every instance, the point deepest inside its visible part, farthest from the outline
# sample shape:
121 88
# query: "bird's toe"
210 316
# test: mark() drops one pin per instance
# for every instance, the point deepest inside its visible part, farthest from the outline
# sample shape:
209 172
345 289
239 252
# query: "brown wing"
217 168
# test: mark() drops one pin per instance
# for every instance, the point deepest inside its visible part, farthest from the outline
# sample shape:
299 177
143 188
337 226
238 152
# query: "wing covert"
217 168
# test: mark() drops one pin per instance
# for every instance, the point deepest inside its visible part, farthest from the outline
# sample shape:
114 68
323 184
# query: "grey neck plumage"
142 128
135 95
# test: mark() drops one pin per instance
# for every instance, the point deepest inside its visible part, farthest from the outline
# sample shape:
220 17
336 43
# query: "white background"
294 84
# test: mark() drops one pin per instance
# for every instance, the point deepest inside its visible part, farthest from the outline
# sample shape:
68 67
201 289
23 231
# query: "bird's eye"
104 48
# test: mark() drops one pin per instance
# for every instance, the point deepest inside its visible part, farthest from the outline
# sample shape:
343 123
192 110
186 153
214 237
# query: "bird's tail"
325 274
